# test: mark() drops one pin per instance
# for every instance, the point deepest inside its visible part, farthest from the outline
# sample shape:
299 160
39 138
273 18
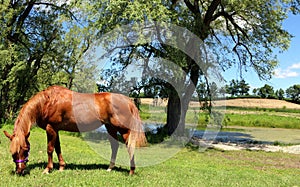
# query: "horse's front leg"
53 142
51 139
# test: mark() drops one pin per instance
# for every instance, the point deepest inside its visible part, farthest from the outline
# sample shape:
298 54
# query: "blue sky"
288 71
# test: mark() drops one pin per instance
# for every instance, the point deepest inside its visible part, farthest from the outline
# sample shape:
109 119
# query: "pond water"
236 134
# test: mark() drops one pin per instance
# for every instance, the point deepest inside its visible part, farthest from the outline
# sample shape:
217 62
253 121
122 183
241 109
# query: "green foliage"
231 36
280 94
237 88
293 92
40 45
266 91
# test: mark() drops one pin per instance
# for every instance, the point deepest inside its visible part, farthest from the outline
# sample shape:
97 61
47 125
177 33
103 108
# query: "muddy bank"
250 138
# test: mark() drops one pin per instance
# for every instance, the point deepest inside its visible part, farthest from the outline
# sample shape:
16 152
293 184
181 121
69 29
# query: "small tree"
266 91
293 92
280 94
232 88
243 87
255 91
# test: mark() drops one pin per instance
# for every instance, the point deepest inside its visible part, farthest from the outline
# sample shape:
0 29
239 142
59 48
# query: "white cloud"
295 66
288 72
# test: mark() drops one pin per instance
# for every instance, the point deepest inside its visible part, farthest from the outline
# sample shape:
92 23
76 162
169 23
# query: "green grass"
185 168
259 109
262 120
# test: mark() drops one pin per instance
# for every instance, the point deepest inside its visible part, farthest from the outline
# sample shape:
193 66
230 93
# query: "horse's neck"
25 120
22 127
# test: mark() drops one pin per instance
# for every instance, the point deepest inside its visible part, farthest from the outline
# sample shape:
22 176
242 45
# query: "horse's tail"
137 136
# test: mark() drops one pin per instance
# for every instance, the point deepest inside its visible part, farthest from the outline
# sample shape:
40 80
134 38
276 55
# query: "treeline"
237 88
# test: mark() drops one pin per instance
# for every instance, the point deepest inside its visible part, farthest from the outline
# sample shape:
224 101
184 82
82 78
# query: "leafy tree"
243 87
293 92
244 33
255 91
202 91
28 31
237 87
40 45
232 88
280 94
266 91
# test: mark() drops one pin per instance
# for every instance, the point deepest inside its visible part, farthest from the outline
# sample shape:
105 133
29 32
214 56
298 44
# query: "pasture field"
188 167
238 112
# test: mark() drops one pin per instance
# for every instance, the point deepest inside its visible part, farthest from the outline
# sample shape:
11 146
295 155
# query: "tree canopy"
41 44
235 33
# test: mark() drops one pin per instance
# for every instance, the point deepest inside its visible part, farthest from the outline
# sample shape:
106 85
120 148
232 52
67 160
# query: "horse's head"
19 148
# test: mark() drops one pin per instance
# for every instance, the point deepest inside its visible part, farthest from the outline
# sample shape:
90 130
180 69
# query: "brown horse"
58 108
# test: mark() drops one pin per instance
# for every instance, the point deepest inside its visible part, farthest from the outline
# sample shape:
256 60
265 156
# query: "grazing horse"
58 108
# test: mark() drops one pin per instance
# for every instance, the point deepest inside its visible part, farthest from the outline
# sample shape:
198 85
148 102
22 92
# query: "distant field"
253 103
259 103
270 113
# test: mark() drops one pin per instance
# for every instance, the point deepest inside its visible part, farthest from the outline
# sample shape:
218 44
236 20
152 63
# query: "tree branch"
190 6
58 7
24 15
210 12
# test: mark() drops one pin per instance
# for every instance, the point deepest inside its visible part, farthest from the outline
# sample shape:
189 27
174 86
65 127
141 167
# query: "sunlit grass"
262 120
188 167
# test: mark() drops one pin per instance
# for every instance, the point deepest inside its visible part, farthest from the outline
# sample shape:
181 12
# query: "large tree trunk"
173 113
176 114
178 103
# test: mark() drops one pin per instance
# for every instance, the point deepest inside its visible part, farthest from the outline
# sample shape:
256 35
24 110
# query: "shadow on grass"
72 166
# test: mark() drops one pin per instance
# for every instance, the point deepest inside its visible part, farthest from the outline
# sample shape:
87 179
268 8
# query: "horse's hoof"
61 168
109 169
46 171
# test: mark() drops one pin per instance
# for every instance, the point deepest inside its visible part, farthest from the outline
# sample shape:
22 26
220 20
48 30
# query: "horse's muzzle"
20 168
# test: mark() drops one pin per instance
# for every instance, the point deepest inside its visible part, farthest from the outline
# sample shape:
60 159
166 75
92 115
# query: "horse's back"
73 111
68 110
116 109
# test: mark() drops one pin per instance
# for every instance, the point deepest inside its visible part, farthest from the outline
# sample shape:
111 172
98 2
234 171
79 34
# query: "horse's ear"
8 135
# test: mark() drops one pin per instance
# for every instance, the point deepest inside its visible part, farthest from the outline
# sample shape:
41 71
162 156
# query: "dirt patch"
250 138
227 146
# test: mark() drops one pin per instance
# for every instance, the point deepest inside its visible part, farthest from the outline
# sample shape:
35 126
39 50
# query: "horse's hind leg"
62 163
114 144
130 147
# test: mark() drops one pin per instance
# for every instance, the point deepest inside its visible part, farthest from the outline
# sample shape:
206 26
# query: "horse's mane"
29 114
16 142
